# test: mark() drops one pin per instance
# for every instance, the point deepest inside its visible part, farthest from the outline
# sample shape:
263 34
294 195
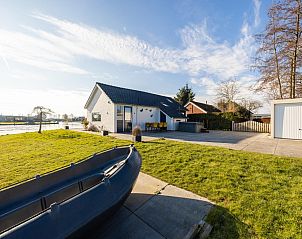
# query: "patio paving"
152 212
248 141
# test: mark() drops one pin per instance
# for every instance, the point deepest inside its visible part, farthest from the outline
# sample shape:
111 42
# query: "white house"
286 119
119 109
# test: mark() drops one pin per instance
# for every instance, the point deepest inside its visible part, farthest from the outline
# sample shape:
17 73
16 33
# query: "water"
18 129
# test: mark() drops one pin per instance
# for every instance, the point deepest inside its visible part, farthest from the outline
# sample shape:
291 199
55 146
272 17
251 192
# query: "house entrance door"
163 117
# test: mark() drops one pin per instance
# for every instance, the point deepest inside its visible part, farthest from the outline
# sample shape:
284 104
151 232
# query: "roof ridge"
99 83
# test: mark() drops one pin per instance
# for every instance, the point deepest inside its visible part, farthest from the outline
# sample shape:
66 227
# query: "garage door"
288 121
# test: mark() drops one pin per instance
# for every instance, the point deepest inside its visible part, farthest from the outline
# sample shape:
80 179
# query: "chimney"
206 102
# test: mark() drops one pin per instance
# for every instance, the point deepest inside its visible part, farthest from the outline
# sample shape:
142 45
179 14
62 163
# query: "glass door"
162 117
120 118
127 118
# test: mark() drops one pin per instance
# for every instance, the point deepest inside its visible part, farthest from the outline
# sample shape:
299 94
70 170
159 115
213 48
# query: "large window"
96 116
119 110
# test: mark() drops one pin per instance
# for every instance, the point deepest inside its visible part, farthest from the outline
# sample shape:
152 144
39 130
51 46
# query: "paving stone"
145 188
174 211
131 228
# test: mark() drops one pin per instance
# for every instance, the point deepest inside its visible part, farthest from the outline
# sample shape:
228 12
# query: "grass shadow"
226 225
152 142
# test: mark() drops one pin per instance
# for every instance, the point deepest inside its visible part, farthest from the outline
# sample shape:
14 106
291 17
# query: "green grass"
22 156
258 195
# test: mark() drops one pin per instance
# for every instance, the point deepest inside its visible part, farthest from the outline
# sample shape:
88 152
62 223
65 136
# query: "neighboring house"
231 106
194 107
263 118
118 109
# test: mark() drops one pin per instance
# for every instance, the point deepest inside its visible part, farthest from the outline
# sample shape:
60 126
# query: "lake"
17 129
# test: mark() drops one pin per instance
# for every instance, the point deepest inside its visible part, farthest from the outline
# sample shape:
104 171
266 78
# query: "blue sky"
53 52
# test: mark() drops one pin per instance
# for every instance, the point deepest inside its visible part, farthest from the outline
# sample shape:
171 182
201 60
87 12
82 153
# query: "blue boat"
63 203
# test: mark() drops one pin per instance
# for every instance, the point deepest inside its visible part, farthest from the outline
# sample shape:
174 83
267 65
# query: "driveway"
152 212
248 141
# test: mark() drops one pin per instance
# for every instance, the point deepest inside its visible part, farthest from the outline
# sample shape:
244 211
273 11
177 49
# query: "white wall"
173 123
140 115
143 114
286 119
101 103
176 122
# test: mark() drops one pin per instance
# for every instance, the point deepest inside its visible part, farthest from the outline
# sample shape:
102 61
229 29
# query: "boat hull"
66 218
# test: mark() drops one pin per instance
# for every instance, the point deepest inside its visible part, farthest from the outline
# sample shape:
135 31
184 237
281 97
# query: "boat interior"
31 198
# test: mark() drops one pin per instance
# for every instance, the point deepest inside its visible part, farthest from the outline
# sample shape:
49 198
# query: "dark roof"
166 104
206 107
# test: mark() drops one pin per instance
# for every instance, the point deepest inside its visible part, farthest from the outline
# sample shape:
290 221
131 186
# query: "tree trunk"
277 64
295 55
40 126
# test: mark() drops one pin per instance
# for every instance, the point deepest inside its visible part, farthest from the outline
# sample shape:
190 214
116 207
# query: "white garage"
287 119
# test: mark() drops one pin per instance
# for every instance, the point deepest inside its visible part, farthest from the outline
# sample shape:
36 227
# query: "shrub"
85 123
93 128
137 131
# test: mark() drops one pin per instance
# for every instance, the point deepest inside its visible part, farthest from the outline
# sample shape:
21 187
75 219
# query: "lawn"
258 195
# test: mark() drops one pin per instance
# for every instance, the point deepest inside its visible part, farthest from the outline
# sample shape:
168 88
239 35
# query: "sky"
53 52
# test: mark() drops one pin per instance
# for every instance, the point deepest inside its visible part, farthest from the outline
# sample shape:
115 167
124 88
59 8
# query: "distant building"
16 118
194 107
225 106
264 118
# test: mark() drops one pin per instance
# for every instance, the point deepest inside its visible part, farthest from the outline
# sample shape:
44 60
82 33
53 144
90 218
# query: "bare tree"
250 104
278 58
229 98
41 112
228 90
66 118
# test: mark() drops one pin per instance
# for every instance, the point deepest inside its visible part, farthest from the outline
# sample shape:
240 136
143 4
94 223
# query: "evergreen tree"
184 95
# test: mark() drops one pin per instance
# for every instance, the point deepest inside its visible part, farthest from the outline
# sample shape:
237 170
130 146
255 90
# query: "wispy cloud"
57 50
257 5
201 57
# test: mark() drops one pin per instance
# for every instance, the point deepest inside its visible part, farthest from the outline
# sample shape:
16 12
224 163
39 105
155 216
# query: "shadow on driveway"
226 137
167 217
152 217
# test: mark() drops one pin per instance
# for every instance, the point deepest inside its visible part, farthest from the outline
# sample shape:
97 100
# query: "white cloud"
36 52
57 50
209 84
109 46
221 60
257 5
201 57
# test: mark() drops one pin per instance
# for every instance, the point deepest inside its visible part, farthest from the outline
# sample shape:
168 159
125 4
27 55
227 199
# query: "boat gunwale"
64 167
102 181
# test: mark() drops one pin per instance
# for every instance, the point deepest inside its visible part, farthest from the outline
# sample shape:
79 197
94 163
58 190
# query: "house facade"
196 108
119 109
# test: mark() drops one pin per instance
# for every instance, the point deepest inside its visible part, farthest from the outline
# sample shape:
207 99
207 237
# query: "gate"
251 126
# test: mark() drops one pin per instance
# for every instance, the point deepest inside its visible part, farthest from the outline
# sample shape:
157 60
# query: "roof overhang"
94 90
190 102
287 101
